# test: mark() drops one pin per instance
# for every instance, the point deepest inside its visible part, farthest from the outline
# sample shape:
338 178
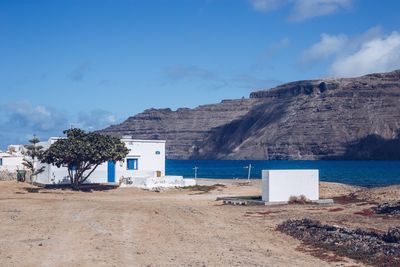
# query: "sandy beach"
177 227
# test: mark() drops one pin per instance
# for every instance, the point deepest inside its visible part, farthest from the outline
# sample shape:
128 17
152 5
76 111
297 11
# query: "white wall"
54 175
148 161
280 185
163 182
12 163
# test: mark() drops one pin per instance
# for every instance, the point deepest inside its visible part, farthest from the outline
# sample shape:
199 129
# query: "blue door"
111 172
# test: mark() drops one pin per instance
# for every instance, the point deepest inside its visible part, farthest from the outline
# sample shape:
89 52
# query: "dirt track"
132 227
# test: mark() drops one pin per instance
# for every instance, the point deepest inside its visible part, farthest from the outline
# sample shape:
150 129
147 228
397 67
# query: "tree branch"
87 176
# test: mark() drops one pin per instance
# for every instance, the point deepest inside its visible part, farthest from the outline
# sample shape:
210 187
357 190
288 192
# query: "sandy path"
131 227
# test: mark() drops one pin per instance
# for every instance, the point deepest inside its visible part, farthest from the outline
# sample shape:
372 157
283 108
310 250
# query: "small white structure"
158 182
280 185
10 162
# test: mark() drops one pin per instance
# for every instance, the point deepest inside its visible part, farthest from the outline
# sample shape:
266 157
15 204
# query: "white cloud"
267 5
37 118
327 46
347 56
303 9
95 120
376 55
20 120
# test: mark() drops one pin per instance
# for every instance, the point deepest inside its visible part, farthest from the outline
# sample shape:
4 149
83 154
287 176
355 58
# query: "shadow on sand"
89 188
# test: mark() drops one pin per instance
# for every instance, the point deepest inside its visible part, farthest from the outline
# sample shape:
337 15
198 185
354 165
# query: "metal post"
195 171
249 172
248 176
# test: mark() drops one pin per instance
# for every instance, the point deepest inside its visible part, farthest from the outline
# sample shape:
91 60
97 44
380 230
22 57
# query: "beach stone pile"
388 208
380 249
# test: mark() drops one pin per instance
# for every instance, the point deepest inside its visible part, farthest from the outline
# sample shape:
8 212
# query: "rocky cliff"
315 119
184 129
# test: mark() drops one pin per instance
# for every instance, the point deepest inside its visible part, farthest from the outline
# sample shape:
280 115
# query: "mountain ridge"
310 119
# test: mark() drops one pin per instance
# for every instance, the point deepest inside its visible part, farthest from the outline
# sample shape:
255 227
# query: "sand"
133 227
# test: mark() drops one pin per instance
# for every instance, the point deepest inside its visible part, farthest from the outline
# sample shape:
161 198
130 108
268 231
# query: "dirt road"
132 227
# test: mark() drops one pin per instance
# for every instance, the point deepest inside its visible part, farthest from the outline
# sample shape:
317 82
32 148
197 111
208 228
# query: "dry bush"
301 200
8 176
204 188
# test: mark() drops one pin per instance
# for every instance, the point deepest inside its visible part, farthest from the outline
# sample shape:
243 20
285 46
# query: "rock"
347 118
393 235
364 245
388 208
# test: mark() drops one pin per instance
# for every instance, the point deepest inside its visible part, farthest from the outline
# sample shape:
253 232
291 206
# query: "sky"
93 63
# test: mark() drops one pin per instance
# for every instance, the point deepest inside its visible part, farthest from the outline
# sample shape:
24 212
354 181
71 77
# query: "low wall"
280 185
159 182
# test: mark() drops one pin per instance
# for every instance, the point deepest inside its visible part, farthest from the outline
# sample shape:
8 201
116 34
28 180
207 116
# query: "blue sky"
92 63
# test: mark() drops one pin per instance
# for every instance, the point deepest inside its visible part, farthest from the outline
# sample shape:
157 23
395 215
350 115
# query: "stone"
388 208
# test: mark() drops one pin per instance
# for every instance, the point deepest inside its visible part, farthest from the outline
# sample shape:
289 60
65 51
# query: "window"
158 152
1 162
132 164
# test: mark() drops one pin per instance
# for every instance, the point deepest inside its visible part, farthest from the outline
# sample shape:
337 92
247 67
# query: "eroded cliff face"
184 129
300 120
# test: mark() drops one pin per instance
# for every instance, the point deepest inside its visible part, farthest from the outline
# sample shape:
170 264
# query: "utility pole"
195 171
249 172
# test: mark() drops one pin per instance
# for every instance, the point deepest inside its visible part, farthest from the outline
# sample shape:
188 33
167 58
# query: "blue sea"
362 173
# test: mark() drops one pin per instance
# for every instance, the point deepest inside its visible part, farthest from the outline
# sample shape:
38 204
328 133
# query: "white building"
10 162
144 167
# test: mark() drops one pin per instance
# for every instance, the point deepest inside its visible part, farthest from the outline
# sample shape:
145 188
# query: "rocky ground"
179 227
369 246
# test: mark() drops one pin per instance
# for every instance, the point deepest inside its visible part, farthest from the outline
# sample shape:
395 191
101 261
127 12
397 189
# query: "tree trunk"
76 182
73 175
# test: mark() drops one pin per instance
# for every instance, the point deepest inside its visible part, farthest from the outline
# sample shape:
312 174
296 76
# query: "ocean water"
362 173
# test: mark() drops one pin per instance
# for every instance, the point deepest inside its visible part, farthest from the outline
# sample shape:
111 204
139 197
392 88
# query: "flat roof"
142 140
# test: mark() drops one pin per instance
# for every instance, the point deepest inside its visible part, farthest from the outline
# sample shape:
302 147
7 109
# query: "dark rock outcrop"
316 119
388 209
364 245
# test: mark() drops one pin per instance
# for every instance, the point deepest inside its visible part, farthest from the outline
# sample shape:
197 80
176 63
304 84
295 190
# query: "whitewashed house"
143 167
10 162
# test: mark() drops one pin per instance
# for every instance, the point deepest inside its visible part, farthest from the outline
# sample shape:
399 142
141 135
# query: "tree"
33 153
83 152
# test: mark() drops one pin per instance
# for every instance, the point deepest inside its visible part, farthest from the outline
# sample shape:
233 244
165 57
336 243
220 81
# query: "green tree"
32 154
83 152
